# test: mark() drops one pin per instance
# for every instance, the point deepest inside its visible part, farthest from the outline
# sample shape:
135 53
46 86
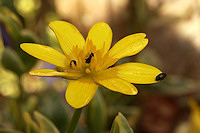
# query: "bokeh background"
173 30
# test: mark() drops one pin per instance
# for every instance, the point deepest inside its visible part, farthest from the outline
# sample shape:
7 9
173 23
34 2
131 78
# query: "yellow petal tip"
74 104
52 22
31 73
22 46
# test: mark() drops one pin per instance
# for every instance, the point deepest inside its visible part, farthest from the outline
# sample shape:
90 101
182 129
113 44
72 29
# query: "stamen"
87 70
72 63
88 60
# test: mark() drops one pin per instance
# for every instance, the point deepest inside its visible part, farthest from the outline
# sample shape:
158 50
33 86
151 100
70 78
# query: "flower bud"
120 125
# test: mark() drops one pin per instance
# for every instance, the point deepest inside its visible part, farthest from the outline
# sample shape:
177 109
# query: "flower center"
89 60
87 70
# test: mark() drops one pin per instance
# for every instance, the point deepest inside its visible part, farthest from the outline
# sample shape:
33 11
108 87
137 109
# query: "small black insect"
161 76
72 61
88 60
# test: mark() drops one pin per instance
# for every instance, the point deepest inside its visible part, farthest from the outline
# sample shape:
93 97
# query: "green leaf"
120 125
96 114
8 131
28 37
11 23
13 30
45 124
32 127
11 61
52 106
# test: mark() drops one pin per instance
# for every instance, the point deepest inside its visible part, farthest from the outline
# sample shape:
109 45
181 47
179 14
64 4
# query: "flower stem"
73 123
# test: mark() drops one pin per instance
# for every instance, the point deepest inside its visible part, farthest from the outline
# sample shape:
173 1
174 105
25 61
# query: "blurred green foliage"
45 125
12 36
10 59
97 123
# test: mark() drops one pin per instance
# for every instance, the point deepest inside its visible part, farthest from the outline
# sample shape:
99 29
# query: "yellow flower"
87 62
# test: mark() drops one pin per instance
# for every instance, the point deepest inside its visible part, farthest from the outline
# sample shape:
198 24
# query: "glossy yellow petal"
68 36
116 84
137 73
80 92
129 45
46 53
53 73
101 36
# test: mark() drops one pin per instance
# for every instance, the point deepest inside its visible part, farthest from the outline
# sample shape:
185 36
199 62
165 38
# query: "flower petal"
116 84
80 92
68 35
53 73
101 36
137 73
128 46
46 53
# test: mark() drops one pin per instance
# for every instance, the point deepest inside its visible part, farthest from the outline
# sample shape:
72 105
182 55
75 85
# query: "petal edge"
45 53
80 92
53 73
68 36
137 73
101 36
129 45
116 84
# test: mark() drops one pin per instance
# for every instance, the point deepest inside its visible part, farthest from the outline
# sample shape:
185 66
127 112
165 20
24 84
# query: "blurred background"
173 30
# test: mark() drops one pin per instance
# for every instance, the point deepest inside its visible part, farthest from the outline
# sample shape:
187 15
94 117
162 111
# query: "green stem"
19 102
73 123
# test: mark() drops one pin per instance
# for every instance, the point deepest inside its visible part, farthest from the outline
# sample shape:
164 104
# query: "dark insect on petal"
72 62
88 60
161 76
